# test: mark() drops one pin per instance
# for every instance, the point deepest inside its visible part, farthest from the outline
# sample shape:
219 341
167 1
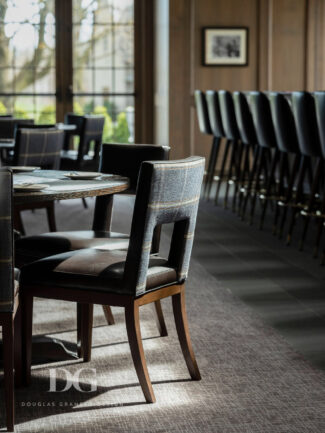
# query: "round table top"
63 188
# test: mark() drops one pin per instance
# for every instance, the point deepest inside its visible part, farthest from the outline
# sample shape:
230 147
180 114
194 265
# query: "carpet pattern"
252 381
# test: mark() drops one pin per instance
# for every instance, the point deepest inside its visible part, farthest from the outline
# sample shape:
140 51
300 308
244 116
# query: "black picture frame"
225 46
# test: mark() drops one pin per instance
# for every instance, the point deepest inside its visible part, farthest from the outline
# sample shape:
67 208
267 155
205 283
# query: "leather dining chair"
118 159
249 141
39 147
72 119
269 153
290 157
230 128
218 133
167 192
308 183
9 288
91 130
205 128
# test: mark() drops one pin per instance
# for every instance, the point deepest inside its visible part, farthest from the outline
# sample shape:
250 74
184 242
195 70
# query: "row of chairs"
274 151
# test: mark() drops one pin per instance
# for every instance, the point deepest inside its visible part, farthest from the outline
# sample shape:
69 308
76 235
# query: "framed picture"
225 46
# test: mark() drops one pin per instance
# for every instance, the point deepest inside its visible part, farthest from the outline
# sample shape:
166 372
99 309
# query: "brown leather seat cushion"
33 248
93 269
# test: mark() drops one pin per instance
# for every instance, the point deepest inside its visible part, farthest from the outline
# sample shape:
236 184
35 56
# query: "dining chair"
91 130
9 288
7 131
167 192
119 159
72 119
41 148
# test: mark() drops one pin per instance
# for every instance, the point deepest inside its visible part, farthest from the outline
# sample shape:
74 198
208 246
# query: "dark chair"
5 116
205 128
249 141
78 121
308 183
9 288
230 127
8 131
268 154
290 157
91 130
119 159
41 148
218 133
167 192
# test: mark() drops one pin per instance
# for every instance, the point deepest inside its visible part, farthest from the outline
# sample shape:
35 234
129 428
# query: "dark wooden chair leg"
27 328
230 171
161 325
87 311
257 183
184 335
51 216
18 348
8 364
252 176
79 345
108 315
135 341
270 184
222 170
84 202
214 158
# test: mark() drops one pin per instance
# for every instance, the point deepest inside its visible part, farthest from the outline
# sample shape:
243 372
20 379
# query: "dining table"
64 185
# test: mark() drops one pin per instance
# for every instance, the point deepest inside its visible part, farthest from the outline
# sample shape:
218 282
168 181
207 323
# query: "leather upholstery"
93 270
284 124
304 111
7 285
36 247
202 112
214 113
228 116
8 126
320 116
261 113
120 159
40 147
244 119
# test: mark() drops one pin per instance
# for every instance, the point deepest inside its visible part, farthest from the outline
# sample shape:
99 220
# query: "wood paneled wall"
286 52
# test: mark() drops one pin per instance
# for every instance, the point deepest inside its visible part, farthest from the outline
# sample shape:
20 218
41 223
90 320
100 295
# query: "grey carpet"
252 380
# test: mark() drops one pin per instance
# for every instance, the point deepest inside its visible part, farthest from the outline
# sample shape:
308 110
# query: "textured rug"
252 381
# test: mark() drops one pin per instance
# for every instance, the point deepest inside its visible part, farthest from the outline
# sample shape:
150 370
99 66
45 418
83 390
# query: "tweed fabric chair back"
167 192
40 147
8 126
92 131
6 242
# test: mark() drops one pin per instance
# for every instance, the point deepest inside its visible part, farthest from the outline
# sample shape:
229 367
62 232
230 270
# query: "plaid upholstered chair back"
39 147
126 159
8 126
92 131
6 242
167 192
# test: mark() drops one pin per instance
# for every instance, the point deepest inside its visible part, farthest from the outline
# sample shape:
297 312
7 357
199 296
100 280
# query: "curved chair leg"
108 315
8 363
161 325
184 335
134 335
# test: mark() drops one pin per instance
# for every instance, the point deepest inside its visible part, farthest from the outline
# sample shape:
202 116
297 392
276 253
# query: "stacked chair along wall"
40 147
249 142
218 133
167 192
231 131
90 129
9 294
118 159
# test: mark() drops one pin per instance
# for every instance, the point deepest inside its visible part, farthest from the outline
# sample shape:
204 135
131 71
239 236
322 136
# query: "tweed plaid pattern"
168 192
6 244
39 147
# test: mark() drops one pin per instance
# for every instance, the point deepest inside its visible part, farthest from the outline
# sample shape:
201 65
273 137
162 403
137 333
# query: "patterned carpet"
252 381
